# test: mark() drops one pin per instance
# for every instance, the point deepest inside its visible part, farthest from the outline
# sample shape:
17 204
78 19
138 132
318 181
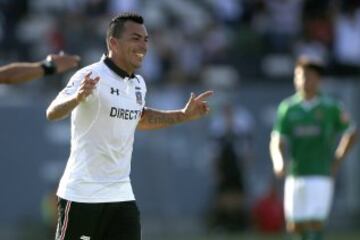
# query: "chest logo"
139 97
115 91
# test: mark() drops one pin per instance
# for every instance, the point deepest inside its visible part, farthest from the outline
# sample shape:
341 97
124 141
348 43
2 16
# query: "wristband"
49 67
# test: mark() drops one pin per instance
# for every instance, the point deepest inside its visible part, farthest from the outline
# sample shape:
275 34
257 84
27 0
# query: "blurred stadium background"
243 49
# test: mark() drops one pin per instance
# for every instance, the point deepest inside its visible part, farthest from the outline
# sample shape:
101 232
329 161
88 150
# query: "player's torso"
103 127
121 105
311 138
112 114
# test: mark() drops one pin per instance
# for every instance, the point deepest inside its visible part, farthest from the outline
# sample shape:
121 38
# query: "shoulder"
331 103
289 102
329 100
78 76
96 67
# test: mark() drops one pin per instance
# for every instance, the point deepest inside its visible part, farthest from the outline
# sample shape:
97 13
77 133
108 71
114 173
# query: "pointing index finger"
204 95
87 76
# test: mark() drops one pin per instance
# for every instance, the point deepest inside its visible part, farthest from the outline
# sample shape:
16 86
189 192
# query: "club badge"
138 97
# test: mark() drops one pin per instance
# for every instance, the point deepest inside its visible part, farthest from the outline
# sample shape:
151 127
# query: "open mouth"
140 55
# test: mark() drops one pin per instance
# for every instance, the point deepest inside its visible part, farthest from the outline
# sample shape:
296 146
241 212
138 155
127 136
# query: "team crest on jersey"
138 97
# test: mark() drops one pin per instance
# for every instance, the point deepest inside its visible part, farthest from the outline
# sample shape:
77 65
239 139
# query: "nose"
143 45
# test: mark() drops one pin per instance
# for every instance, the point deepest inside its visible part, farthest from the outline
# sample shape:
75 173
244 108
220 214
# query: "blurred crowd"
192 40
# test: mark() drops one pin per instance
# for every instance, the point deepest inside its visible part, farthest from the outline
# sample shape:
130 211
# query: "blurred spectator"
216 43
311 48
116 6
11 13
228 11
347 39
97 7
279 21
267 213
231 130
317 21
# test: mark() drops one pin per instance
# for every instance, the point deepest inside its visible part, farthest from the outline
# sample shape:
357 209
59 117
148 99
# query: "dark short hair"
116 26
311 64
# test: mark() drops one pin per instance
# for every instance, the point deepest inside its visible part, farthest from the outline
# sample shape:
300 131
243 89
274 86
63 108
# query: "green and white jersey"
310 129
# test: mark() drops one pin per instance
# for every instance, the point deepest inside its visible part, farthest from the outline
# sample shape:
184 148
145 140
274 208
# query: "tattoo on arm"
154 119
165 119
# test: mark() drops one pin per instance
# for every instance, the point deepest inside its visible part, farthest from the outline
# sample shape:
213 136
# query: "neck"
308 96
116 69
121 64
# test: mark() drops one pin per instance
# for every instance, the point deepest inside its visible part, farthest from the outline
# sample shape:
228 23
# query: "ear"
113 43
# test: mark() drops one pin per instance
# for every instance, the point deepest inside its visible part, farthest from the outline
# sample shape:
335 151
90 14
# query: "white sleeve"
74 84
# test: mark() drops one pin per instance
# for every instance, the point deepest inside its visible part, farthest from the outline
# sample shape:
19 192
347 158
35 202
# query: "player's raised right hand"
87 85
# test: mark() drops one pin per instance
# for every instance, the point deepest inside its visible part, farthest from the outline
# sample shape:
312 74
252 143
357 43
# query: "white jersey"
102 135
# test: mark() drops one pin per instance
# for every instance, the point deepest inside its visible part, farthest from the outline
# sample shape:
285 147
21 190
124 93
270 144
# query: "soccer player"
20 72
307 125
106 101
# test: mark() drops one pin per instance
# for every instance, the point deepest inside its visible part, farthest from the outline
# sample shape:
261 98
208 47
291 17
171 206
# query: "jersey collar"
308 104
110 64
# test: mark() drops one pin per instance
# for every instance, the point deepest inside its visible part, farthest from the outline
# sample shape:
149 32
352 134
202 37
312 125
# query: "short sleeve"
281 124
74 84
342 118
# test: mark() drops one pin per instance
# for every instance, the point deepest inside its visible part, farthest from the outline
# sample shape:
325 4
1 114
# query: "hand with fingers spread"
87 86
197 106
63 62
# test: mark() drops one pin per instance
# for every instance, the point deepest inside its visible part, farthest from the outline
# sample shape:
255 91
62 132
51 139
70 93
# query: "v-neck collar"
308 104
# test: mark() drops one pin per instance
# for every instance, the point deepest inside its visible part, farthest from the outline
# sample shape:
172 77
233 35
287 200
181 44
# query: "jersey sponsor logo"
83 237
115 91
307 131
125 114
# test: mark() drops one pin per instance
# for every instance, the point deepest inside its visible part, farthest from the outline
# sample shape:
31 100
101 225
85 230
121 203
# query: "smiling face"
129 49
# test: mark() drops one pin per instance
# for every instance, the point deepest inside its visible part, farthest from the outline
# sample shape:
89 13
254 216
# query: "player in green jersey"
305 133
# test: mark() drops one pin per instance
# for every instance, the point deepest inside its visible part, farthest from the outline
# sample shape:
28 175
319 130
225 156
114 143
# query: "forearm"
347 141
61 107
277 153
20 72
155 119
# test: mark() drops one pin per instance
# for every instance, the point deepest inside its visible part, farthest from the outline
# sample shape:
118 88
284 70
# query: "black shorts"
98 221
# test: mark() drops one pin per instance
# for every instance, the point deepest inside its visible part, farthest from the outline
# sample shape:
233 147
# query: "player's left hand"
197 106
335 166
